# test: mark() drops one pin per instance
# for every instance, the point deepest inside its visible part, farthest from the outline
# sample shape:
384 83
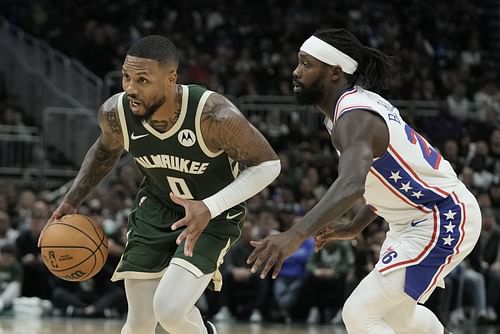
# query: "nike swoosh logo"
415 223
134 137
229 217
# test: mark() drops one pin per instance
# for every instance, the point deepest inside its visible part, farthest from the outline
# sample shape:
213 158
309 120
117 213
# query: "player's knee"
168 313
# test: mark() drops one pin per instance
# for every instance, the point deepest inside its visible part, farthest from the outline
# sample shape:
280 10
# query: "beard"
311 94
150 109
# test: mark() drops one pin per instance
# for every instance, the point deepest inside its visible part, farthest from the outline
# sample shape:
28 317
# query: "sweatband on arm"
248 183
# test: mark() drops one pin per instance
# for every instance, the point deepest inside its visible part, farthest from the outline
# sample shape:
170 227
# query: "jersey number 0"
179 187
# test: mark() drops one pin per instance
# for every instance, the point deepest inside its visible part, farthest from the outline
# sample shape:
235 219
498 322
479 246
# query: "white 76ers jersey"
434 220
411 177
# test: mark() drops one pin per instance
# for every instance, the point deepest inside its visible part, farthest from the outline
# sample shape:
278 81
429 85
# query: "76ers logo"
390 254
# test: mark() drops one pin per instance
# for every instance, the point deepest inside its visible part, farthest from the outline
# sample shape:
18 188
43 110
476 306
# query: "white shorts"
431 246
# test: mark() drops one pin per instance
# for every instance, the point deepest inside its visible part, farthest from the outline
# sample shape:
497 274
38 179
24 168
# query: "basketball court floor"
12 325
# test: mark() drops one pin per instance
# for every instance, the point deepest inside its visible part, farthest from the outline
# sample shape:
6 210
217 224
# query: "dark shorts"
151 243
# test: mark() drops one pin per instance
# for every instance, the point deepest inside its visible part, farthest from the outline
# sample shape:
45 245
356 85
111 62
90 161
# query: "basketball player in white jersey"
434 220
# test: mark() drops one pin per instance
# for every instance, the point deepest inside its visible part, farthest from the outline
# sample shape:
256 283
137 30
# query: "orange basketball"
74 247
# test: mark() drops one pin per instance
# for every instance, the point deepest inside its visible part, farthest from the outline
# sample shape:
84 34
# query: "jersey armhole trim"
123 122
197 124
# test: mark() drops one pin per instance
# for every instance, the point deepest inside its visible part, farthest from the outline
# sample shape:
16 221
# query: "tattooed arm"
98 162
101 157
224 128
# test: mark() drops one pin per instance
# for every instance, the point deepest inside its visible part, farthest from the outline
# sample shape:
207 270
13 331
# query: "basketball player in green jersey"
187 142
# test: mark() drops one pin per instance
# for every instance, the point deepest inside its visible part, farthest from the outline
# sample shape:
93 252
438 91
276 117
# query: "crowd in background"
237 49
240 47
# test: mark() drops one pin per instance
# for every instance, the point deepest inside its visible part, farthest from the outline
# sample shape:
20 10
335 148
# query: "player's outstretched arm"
100 158
225 128
360 136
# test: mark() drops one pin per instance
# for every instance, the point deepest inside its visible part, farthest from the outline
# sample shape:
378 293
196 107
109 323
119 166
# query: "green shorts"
151 243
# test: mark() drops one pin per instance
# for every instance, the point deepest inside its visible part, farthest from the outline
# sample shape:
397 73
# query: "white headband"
328 54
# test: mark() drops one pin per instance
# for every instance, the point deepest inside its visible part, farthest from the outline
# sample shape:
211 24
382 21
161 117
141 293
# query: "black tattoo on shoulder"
214 110
226 128
111 116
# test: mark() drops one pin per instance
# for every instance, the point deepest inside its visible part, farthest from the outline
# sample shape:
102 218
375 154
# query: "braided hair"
375 69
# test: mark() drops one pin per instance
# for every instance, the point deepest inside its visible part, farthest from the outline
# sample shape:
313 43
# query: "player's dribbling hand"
196 220
63 210
273 250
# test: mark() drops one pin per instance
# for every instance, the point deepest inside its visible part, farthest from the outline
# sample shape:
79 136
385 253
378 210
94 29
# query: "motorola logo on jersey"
186 137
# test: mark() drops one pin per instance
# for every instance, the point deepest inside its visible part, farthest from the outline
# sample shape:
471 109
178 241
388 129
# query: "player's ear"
171 78
335 72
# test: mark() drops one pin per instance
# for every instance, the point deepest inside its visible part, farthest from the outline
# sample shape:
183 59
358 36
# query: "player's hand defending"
63 210
273 250
196 220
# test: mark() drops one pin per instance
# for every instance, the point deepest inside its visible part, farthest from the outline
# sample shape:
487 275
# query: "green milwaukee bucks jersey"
178 160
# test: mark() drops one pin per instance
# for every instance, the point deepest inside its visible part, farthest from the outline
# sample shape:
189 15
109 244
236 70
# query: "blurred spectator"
245 294
266 224
450 153
275 129
288 285
444 126
8 235
470 286
490 247
36 278
494 192
487 100
482 165
11 114
458 103
94 297
24 206
327 283
494 153
11 276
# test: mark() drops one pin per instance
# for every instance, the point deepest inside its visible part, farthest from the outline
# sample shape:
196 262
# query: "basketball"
74 247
